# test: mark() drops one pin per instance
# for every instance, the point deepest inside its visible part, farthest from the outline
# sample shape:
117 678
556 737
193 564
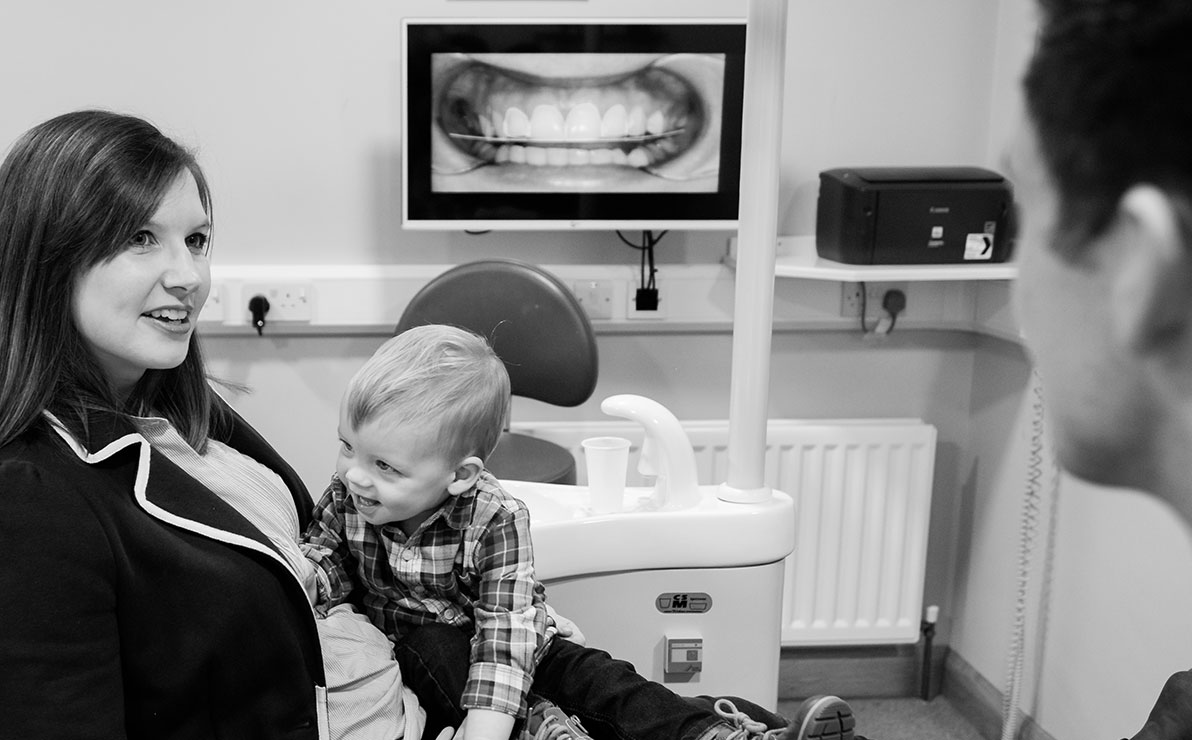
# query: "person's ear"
466 474
1152 281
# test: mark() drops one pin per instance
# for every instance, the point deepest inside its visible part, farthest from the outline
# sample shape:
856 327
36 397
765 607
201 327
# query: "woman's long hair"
73 190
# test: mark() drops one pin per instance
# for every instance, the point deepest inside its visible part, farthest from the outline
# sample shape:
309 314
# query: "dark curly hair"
1109 90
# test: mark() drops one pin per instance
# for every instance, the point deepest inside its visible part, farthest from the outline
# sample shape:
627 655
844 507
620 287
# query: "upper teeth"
582 123
174 314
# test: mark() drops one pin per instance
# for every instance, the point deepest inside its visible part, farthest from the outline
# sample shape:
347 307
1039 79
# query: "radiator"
862 491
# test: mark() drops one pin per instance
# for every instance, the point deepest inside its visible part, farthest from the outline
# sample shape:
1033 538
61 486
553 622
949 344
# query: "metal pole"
756 246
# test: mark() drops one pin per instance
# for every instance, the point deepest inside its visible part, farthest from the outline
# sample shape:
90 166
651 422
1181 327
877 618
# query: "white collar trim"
140 486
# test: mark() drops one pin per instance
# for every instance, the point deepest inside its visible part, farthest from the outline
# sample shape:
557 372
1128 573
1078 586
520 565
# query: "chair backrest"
532 320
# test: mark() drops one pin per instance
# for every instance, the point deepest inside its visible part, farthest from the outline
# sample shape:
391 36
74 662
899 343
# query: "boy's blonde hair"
441 375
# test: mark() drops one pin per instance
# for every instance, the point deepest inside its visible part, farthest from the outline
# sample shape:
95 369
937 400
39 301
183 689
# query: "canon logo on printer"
939 209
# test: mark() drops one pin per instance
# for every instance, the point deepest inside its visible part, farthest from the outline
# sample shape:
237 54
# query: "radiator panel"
862 491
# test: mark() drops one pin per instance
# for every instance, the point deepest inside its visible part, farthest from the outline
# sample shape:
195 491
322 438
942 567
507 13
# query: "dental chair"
538 329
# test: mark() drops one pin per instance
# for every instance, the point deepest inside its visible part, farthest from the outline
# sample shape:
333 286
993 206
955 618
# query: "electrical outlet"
214 310
288 301
850 297
596 296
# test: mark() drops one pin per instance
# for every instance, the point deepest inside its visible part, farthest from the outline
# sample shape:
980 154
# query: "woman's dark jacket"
135 603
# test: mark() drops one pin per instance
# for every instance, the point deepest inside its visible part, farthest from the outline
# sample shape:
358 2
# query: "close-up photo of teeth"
583 136
634 122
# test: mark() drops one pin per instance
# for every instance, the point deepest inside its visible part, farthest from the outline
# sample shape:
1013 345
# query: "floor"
908 718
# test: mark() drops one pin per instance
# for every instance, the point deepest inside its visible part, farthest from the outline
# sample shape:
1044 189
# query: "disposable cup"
607 459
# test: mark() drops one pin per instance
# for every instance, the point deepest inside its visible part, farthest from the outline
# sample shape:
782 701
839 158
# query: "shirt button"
407 555
448 613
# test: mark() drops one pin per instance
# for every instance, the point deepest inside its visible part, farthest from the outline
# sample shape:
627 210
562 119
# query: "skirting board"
895 670
980 702
857 672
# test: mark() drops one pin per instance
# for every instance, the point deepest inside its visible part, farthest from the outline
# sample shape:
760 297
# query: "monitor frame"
426 208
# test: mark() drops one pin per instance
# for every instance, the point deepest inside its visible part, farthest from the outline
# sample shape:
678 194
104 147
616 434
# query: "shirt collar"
457 510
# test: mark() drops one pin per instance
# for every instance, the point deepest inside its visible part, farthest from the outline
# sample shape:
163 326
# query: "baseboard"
980 702
857 672
894 671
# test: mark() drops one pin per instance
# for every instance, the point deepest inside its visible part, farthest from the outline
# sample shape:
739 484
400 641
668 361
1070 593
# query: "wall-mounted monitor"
572 124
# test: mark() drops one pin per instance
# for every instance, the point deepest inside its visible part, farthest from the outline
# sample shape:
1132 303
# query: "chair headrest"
532 320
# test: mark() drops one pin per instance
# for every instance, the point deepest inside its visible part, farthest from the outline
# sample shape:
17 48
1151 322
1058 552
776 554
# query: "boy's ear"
466 474
1152 282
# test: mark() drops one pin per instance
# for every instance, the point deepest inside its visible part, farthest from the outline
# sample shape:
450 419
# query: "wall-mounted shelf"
797 258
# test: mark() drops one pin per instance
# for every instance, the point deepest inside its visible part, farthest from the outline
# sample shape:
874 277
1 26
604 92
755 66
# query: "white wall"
1109 624
295 107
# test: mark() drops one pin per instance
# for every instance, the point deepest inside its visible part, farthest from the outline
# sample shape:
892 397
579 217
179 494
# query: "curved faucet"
666 451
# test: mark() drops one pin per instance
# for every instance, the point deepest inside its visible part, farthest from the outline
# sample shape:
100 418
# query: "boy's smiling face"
393 471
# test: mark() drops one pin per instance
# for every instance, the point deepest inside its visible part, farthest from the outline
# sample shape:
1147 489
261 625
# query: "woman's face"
137 310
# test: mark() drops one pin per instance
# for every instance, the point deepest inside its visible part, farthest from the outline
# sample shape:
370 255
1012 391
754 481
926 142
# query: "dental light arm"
666 451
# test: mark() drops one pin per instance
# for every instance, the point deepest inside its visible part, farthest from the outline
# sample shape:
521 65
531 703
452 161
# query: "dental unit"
673 580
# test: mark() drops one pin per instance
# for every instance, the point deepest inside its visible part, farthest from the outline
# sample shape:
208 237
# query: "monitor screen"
568 124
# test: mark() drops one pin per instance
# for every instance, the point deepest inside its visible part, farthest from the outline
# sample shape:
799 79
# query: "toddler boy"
414 521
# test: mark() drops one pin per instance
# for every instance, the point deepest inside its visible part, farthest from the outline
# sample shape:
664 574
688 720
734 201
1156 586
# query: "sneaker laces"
744 726
554 728
551 729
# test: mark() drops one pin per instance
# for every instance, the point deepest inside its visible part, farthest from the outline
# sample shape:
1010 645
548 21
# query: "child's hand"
562 626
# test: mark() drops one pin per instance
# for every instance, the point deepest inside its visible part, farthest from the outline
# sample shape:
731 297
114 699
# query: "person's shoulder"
490 489
41 478
492 501
37 454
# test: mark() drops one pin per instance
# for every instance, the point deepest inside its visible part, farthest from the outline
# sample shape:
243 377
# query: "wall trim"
857 672
980 702
881 671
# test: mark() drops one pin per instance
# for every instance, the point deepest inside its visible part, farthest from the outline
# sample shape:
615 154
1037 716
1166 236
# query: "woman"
138 601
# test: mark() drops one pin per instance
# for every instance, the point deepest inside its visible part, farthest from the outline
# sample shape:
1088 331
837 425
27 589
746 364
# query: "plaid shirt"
470 564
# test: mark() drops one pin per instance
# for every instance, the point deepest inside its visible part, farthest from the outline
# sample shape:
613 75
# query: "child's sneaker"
823 718
818 718
740 725
546 721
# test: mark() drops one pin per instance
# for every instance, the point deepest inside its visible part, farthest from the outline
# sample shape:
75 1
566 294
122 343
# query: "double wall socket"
288 301
215 309
851 297
596 296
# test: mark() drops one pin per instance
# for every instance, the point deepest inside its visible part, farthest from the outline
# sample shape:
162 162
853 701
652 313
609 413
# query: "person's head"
417 422
1103 176
104 230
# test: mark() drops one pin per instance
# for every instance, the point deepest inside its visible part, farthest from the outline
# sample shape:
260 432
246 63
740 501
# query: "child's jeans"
608 695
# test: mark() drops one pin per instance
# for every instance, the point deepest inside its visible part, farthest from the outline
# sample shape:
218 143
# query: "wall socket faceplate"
596 296
850 297
215 309
288 301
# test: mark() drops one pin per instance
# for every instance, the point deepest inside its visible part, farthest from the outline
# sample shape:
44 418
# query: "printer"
914 215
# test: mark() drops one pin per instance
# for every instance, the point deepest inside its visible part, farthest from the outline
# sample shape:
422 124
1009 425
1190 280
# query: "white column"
756 244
